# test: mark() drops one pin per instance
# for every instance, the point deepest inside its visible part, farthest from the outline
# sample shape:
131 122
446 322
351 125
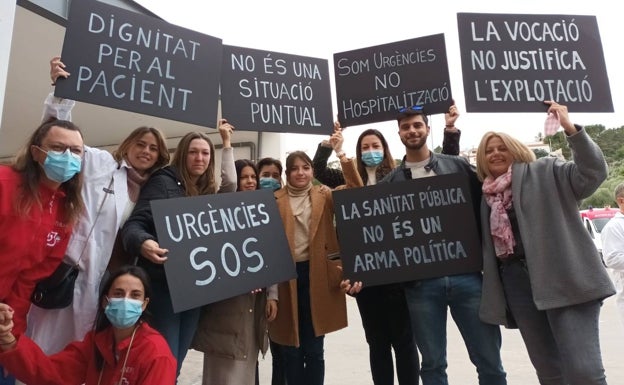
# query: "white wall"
7 17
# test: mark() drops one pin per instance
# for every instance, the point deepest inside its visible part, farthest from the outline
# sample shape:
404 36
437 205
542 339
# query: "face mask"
270 183
372 158
61 166
123 312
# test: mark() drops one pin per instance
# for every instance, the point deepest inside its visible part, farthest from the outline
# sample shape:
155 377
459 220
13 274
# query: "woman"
111 188
373 166
541 271
121 348
191 173
232 332
40 202
270 170
313 304
383 308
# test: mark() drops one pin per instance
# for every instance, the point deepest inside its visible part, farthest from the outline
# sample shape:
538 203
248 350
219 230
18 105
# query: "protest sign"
396 232
221 245
373 83
129 61
511 63
272 91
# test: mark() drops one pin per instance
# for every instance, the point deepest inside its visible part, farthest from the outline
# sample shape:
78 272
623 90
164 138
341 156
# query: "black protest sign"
511 63
125 60
271 91
221 245
373 83
396 232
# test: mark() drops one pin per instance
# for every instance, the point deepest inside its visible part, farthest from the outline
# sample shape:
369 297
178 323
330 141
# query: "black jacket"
162 184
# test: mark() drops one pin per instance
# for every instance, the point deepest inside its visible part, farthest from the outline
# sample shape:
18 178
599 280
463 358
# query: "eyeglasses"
76 152
412 108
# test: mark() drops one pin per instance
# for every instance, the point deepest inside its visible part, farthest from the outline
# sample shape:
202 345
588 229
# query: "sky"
321 28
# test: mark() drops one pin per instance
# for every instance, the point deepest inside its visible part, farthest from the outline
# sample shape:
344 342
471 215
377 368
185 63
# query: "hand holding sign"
57 69
152 251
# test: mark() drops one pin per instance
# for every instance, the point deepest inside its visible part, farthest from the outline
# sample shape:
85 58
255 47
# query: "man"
428 299
613 248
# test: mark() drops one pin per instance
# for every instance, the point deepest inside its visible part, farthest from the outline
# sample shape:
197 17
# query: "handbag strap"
107 191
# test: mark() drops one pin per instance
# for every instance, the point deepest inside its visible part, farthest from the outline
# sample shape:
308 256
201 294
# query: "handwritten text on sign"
133 62
511 63
394 232
221 245
373 83
271 91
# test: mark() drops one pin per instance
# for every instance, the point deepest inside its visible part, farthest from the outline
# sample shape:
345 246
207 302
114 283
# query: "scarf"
135 181
497 193
301 206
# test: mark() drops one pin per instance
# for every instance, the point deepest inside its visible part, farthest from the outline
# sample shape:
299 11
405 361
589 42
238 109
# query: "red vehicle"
594 220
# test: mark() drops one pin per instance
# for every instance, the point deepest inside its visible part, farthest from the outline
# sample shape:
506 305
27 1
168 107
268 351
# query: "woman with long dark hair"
121 348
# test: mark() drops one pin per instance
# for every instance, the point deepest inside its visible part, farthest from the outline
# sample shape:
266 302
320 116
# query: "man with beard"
429 299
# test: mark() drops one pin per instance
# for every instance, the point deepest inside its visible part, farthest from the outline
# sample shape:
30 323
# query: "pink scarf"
135 181
497 194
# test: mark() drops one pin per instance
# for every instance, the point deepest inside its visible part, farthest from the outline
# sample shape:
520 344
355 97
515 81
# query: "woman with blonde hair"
541 271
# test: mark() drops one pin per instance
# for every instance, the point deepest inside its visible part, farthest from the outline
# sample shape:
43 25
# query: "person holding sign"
121 349
40 202
383 309
429 300
110 190
191 173
373 158
541 271
232 332
313 304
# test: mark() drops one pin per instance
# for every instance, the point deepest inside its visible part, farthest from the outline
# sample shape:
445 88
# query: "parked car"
594 220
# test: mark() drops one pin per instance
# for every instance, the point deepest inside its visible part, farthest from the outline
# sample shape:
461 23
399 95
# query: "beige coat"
329 311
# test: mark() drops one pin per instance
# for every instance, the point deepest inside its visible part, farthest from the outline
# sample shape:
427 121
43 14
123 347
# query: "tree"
540 153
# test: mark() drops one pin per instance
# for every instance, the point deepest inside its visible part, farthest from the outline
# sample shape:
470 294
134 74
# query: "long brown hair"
32 176
163 153
206 182
386 165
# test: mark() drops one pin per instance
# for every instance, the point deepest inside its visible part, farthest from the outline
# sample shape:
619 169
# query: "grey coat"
563 263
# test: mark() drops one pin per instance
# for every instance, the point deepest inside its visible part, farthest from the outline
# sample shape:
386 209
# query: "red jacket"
31 247
150 361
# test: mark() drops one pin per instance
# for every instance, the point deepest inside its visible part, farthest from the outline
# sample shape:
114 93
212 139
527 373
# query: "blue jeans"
177 328
428 301
304 365
563 343
386 323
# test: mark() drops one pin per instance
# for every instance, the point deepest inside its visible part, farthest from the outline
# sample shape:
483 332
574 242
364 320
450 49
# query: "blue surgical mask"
61 166
123 312
372 158
270 183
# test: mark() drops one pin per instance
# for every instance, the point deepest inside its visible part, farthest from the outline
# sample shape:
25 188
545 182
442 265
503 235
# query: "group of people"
62 200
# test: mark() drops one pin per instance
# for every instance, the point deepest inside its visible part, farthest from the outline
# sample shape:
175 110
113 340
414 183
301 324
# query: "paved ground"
346 355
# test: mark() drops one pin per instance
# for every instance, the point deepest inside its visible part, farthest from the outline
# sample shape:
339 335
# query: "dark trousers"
9 380
387 326
304 365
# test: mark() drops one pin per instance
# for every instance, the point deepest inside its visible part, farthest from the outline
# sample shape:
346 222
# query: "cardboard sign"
221 245
271 91
511 63
396 232
129 61
373 83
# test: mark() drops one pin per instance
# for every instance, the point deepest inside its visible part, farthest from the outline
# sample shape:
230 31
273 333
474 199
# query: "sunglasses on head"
412 108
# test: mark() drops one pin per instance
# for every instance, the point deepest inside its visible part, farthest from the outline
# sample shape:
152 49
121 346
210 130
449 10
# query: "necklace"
123 368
